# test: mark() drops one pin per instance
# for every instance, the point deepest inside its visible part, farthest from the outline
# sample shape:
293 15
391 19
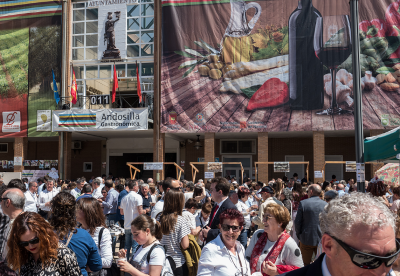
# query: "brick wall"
319 153
90 152
7 156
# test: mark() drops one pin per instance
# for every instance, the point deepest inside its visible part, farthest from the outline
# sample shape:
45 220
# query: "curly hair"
242 192
63 218
341 214
94 215
231 214
376 188
48 240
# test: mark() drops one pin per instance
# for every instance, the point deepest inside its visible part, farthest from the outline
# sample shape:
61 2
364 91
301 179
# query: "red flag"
115 85
74 88
139 91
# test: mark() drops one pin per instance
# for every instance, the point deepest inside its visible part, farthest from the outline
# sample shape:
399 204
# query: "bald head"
315 189
340 187
14 203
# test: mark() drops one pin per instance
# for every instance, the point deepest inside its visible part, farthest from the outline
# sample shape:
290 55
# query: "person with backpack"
149 258
89 214
175 230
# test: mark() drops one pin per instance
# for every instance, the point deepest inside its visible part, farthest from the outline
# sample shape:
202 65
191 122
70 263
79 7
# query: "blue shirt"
111 203
122 194
84 196
85 250
341 193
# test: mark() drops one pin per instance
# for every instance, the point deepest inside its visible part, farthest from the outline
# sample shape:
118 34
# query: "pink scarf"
272 255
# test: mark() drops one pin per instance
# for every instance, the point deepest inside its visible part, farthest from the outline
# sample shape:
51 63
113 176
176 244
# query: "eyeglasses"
368 261
32 241
3 198
266 218
227 227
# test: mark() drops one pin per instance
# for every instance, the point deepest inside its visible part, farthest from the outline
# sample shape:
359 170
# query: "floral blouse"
65 265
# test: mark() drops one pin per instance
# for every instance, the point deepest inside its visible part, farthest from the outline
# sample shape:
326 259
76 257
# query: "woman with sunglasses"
271 250
225 256
36 250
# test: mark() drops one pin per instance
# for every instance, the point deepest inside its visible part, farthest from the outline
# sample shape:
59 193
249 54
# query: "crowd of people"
214 227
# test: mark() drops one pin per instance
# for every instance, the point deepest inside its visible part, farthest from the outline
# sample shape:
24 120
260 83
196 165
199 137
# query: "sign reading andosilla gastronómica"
100 119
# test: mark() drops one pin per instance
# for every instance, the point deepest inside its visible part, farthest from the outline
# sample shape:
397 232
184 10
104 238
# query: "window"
3 148
84 32
241 146
87 166
140 29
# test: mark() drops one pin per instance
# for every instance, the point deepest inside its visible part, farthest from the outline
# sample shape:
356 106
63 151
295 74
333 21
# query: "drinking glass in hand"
332 45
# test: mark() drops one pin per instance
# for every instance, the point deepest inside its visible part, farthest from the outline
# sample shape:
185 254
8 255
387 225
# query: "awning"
383 148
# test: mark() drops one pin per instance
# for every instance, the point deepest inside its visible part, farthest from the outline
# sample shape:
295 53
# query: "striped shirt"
172 241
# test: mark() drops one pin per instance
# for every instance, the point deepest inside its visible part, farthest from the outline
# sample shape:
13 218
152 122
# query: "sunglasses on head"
227 227
32 241
368 261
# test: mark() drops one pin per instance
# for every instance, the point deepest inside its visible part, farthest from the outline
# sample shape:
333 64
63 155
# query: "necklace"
239 271
144 246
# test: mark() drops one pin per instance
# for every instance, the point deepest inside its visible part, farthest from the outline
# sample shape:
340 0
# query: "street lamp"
198 145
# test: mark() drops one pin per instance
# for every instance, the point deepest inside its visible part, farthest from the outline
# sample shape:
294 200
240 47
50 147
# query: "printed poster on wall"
30 35
33 175
43 120
11 121
254 66
100 119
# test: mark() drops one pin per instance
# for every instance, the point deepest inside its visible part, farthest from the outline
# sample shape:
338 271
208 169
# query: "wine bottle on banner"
306 79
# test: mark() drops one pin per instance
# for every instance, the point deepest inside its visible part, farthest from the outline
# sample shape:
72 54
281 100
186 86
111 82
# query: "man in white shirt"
45 197
131 207
78 190
96 188
31 198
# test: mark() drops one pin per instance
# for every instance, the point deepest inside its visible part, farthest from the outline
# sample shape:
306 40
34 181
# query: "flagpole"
64 82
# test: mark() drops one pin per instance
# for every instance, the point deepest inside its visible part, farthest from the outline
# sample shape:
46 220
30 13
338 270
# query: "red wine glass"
332 45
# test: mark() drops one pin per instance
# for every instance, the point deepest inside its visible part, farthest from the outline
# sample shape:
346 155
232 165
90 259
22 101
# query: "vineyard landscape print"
237 73
14 49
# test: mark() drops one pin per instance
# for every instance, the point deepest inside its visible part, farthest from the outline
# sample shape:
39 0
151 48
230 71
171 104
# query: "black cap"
267 189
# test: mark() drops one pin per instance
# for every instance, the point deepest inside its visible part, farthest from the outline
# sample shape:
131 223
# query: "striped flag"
74 88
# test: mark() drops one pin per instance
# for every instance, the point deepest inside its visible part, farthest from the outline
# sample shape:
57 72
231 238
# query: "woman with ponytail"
146 233
175 230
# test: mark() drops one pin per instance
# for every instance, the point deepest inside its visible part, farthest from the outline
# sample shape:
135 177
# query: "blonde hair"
280 213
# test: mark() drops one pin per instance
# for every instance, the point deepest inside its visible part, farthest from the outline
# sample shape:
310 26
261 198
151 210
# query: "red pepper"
373 28
392 14
392 30
272 93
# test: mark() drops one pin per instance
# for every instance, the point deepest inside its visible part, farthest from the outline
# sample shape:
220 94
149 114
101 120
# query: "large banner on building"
253 66
30 46
100 119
